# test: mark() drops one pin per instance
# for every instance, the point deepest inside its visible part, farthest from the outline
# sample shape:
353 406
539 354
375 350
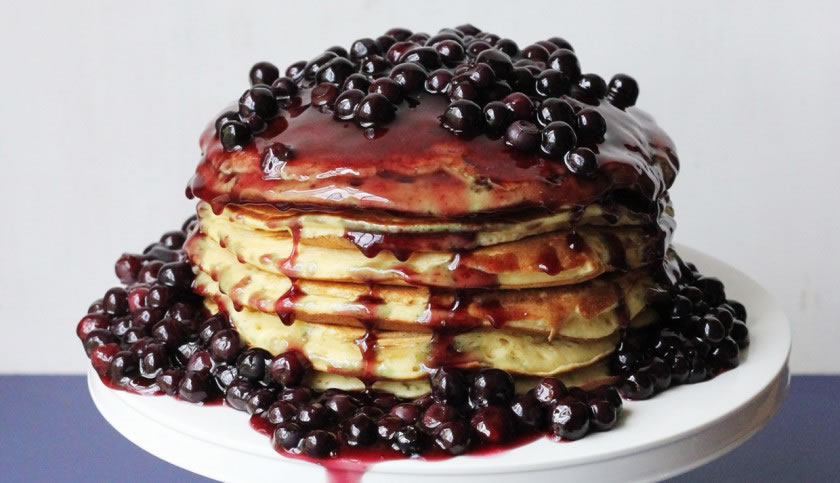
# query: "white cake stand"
674 432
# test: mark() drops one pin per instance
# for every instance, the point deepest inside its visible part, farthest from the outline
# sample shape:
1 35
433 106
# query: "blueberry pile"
153 335
700 335
536 99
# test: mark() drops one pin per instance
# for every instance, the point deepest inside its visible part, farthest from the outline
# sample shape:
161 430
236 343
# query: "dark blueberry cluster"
701 335
536 98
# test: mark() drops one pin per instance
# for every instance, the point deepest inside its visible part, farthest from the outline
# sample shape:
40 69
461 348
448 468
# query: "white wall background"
103 103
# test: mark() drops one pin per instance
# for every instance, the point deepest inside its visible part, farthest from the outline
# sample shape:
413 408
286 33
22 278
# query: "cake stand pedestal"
674 432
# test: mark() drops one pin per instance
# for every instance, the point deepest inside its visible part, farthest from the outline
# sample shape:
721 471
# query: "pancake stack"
384 251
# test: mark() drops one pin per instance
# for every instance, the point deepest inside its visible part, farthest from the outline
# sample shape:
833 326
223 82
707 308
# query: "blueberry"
178 275
338 50
591 126
453 437
263 73
284 88
549 391
522 80
638 385
558 138
209 327
581 161
388 88
497 60
169 331
324 94
492 387
428 57
602 415
566 62
313 66
520 105
374 66
463 118
224 375
398 33
438 82
451 52
194 387
711 329
155 359
508 47
98 338
408 412
259 400
225 345
258 100
234 135
623 91
482 75
342 405
535 52
281 412
253 363
475 48
314 416
523 136
528 411
128 267
168 380
384 42
740 310
492 424
335 71
356 81
374 110
726 355
287 436
409 441
679 367
115 301
589 88
410 76
569 419
449 386
497 117
396 51
659 373
237 395
551 83
387 426
359 430
362 48
297 395
296 70
437 414
319 444
463 90
740 334
289 368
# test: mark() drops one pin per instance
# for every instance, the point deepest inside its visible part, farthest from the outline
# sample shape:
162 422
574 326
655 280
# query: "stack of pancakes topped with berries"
394 209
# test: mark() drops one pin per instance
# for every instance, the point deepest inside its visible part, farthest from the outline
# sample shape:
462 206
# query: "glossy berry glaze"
166 343
490 139
452 126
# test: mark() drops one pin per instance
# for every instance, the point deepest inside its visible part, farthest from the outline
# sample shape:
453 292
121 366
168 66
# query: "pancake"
415 167
401 356
435 234
547 259
587 377
590 310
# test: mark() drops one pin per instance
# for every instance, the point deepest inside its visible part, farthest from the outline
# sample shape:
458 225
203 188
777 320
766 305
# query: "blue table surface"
51 431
